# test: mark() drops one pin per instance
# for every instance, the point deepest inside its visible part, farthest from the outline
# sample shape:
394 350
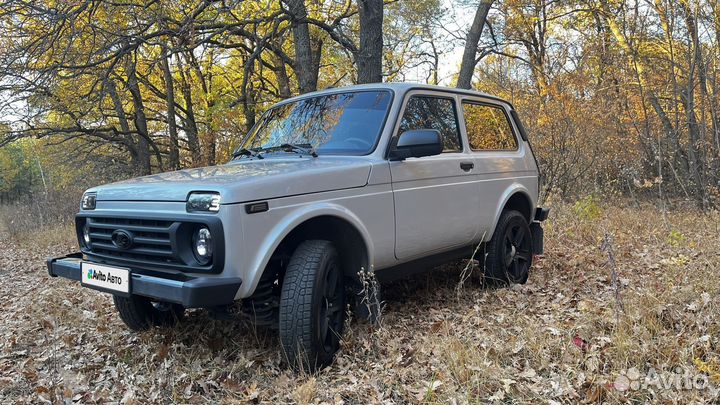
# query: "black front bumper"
190 292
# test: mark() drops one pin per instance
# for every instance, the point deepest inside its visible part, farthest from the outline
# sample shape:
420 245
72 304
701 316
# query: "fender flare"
289 223
513 189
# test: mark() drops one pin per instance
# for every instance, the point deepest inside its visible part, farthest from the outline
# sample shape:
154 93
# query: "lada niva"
327 189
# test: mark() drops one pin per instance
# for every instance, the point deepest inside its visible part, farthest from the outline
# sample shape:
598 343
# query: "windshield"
340 123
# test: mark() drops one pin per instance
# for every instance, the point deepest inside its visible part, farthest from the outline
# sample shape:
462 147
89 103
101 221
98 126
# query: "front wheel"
312 306
141 313
509 252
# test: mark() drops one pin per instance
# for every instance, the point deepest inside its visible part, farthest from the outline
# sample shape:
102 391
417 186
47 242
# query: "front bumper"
190 292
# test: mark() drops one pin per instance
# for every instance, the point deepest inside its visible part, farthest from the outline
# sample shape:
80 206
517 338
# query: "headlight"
202 245
203 202
86 234
88 201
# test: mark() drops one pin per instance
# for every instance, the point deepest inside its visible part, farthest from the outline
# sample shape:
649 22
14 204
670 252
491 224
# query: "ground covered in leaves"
623 308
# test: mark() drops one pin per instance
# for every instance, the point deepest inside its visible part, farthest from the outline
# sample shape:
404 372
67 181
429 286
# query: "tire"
140 313
312 306
509 252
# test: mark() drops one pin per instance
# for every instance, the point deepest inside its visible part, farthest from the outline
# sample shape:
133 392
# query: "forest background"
620 97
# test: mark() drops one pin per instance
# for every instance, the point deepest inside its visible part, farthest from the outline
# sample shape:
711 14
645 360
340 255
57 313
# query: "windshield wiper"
247 152
301 148
304 148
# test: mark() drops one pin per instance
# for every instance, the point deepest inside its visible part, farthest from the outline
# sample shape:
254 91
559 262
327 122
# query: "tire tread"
296 304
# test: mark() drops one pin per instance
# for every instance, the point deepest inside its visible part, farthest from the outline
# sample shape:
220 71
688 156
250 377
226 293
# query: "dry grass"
305 392
35 216
561 338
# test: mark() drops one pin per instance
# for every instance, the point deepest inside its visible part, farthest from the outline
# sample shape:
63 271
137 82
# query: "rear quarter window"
488 127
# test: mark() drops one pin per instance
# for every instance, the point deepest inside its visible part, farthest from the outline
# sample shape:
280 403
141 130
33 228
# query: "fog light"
202 245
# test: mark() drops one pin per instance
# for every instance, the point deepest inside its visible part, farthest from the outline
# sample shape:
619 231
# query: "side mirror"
417 143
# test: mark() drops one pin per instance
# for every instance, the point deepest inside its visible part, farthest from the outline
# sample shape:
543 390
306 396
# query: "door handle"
467 166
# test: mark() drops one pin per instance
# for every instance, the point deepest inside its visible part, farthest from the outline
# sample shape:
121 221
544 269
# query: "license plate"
105 277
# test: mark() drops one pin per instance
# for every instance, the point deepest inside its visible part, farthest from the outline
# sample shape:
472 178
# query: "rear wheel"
509 252
141 313
312 306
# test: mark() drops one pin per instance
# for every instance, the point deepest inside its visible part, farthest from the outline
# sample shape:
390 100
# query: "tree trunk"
247 93
666 123
249 110
435 80
695 165
370 54
696 142
306 67
143 141
678 156
714 83
173 153
467 66
191 129
282 78
210 136
110 87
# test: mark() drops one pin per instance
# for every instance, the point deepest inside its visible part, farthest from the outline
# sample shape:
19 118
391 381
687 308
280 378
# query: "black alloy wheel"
509 252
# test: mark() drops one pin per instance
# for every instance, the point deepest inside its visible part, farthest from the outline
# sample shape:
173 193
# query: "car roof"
397 87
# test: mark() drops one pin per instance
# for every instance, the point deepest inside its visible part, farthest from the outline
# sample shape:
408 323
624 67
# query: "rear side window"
425 112
488 127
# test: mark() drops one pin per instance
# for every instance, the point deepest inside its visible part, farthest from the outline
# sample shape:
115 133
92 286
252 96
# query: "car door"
497 153
435 199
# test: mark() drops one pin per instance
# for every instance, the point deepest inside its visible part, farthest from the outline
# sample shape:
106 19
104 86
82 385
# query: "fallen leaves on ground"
562 338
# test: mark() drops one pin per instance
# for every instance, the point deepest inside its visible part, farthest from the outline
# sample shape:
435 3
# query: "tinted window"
341 123
433 113
488 128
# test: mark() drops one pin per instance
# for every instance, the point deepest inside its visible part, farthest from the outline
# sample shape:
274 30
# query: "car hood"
245 180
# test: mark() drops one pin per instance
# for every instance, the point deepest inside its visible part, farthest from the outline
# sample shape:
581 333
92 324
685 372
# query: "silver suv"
327 191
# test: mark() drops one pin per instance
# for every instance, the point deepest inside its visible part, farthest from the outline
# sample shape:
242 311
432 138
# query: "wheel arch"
516 197
327 222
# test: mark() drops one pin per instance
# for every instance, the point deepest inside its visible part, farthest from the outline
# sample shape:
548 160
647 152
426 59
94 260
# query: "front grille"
160 241
151 239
